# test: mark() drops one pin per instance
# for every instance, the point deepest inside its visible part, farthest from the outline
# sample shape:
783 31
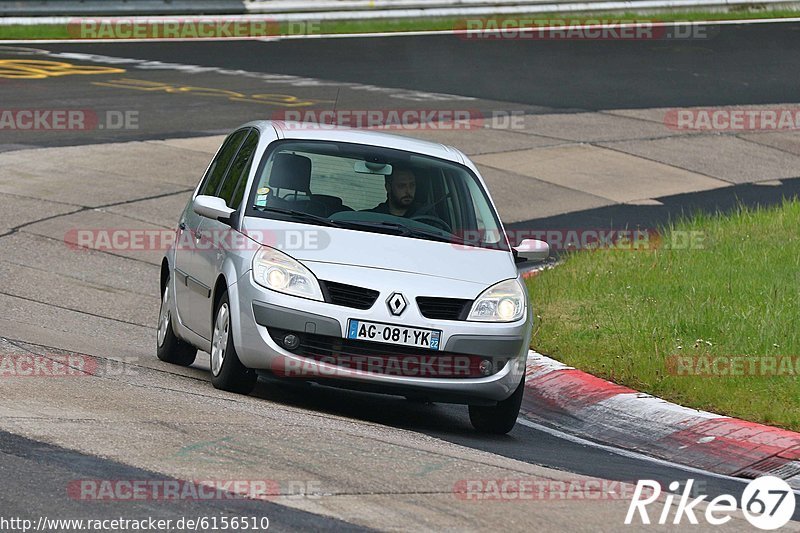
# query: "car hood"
321 244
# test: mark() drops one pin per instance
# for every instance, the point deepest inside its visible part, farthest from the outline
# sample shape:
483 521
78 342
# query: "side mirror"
533 250
212 207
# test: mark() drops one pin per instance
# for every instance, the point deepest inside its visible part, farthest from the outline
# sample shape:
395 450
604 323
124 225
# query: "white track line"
628 453
420 33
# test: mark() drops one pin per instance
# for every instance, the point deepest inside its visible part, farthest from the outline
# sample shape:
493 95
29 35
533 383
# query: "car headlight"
277 271
503 302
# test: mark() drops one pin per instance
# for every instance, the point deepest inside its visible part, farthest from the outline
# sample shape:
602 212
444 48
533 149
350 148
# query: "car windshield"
374 189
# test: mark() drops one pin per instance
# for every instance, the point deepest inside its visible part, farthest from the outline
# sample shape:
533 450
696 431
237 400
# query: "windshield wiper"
407 231
453 239
301 215
400 229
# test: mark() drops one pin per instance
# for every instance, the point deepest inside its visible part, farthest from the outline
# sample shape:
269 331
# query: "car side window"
232 190
221 163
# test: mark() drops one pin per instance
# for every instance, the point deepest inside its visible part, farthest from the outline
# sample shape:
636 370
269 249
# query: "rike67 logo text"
767 502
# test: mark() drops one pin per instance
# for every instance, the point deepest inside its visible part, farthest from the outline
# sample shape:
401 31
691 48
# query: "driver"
401 188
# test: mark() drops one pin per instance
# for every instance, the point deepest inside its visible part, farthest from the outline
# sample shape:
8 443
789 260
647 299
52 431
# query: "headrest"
290 171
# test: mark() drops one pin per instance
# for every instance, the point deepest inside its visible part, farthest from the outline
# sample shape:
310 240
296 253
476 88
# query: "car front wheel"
227 372
498 419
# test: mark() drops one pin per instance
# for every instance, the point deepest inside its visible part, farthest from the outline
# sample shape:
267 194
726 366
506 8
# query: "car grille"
443 308
380 358
348 295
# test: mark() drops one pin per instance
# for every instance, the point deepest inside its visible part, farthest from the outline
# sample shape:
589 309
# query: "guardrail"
51 8
281 10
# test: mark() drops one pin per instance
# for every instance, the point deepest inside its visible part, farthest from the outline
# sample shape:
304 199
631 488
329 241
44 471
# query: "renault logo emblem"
396 304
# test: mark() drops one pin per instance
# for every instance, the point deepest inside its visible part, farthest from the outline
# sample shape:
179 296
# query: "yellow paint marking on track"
283 100
37 69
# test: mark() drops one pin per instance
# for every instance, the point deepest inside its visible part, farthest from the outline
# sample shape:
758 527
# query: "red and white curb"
580 404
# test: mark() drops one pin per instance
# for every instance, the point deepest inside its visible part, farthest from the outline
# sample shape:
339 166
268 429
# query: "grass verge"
629 316
61 31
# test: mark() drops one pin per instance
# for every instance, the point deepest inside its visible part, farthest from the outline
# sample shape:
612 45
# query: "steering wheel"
433 221
429 207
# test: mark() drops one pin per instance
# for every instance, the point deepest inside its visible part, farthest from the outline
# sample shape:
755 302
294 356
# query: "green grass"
60 31
620 314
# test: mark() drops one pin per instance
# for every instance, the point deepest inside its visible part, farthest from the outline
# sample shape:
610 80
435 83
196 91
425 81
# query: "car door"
216 240
191 293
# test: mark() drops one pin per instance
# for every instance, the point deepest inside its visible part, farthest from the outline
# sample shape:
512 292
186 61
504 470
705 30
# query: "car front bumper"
263 313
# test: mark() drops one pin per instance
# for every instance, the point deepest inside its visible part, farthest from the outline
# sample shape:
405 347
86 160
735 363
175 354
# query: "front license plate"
388 333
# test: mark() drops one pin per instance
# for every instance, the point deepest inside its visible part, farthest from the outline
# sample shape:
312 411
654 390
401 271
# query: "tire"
169 348
227 372
498 419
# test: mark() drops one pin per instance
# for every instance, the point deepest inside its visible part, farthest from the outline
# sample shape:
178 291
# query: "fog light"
291 341
485 367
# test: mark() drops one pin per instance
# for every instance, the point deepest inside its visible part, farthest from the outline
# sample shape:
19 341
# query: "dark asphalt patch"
48 470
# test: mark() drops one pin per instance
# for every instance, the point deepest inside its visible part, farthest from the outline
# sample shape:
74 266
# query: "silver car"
349 258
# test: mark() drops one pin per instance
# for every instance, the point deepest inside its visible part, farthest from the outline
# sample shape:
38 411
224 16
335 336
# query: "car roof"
330 132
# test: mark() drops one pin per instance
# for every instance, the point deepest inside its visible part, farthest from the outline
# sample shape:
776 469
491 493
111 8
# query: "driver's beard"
397 203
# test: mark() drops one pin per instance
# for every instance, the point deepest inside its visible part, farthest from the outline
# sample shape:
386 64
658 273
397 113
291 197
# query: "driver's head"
401 187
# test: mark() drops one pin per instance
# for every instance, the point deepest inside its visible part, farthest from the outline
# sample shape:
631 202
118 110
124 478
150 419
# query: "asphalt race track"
388 452
734 65
729 65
